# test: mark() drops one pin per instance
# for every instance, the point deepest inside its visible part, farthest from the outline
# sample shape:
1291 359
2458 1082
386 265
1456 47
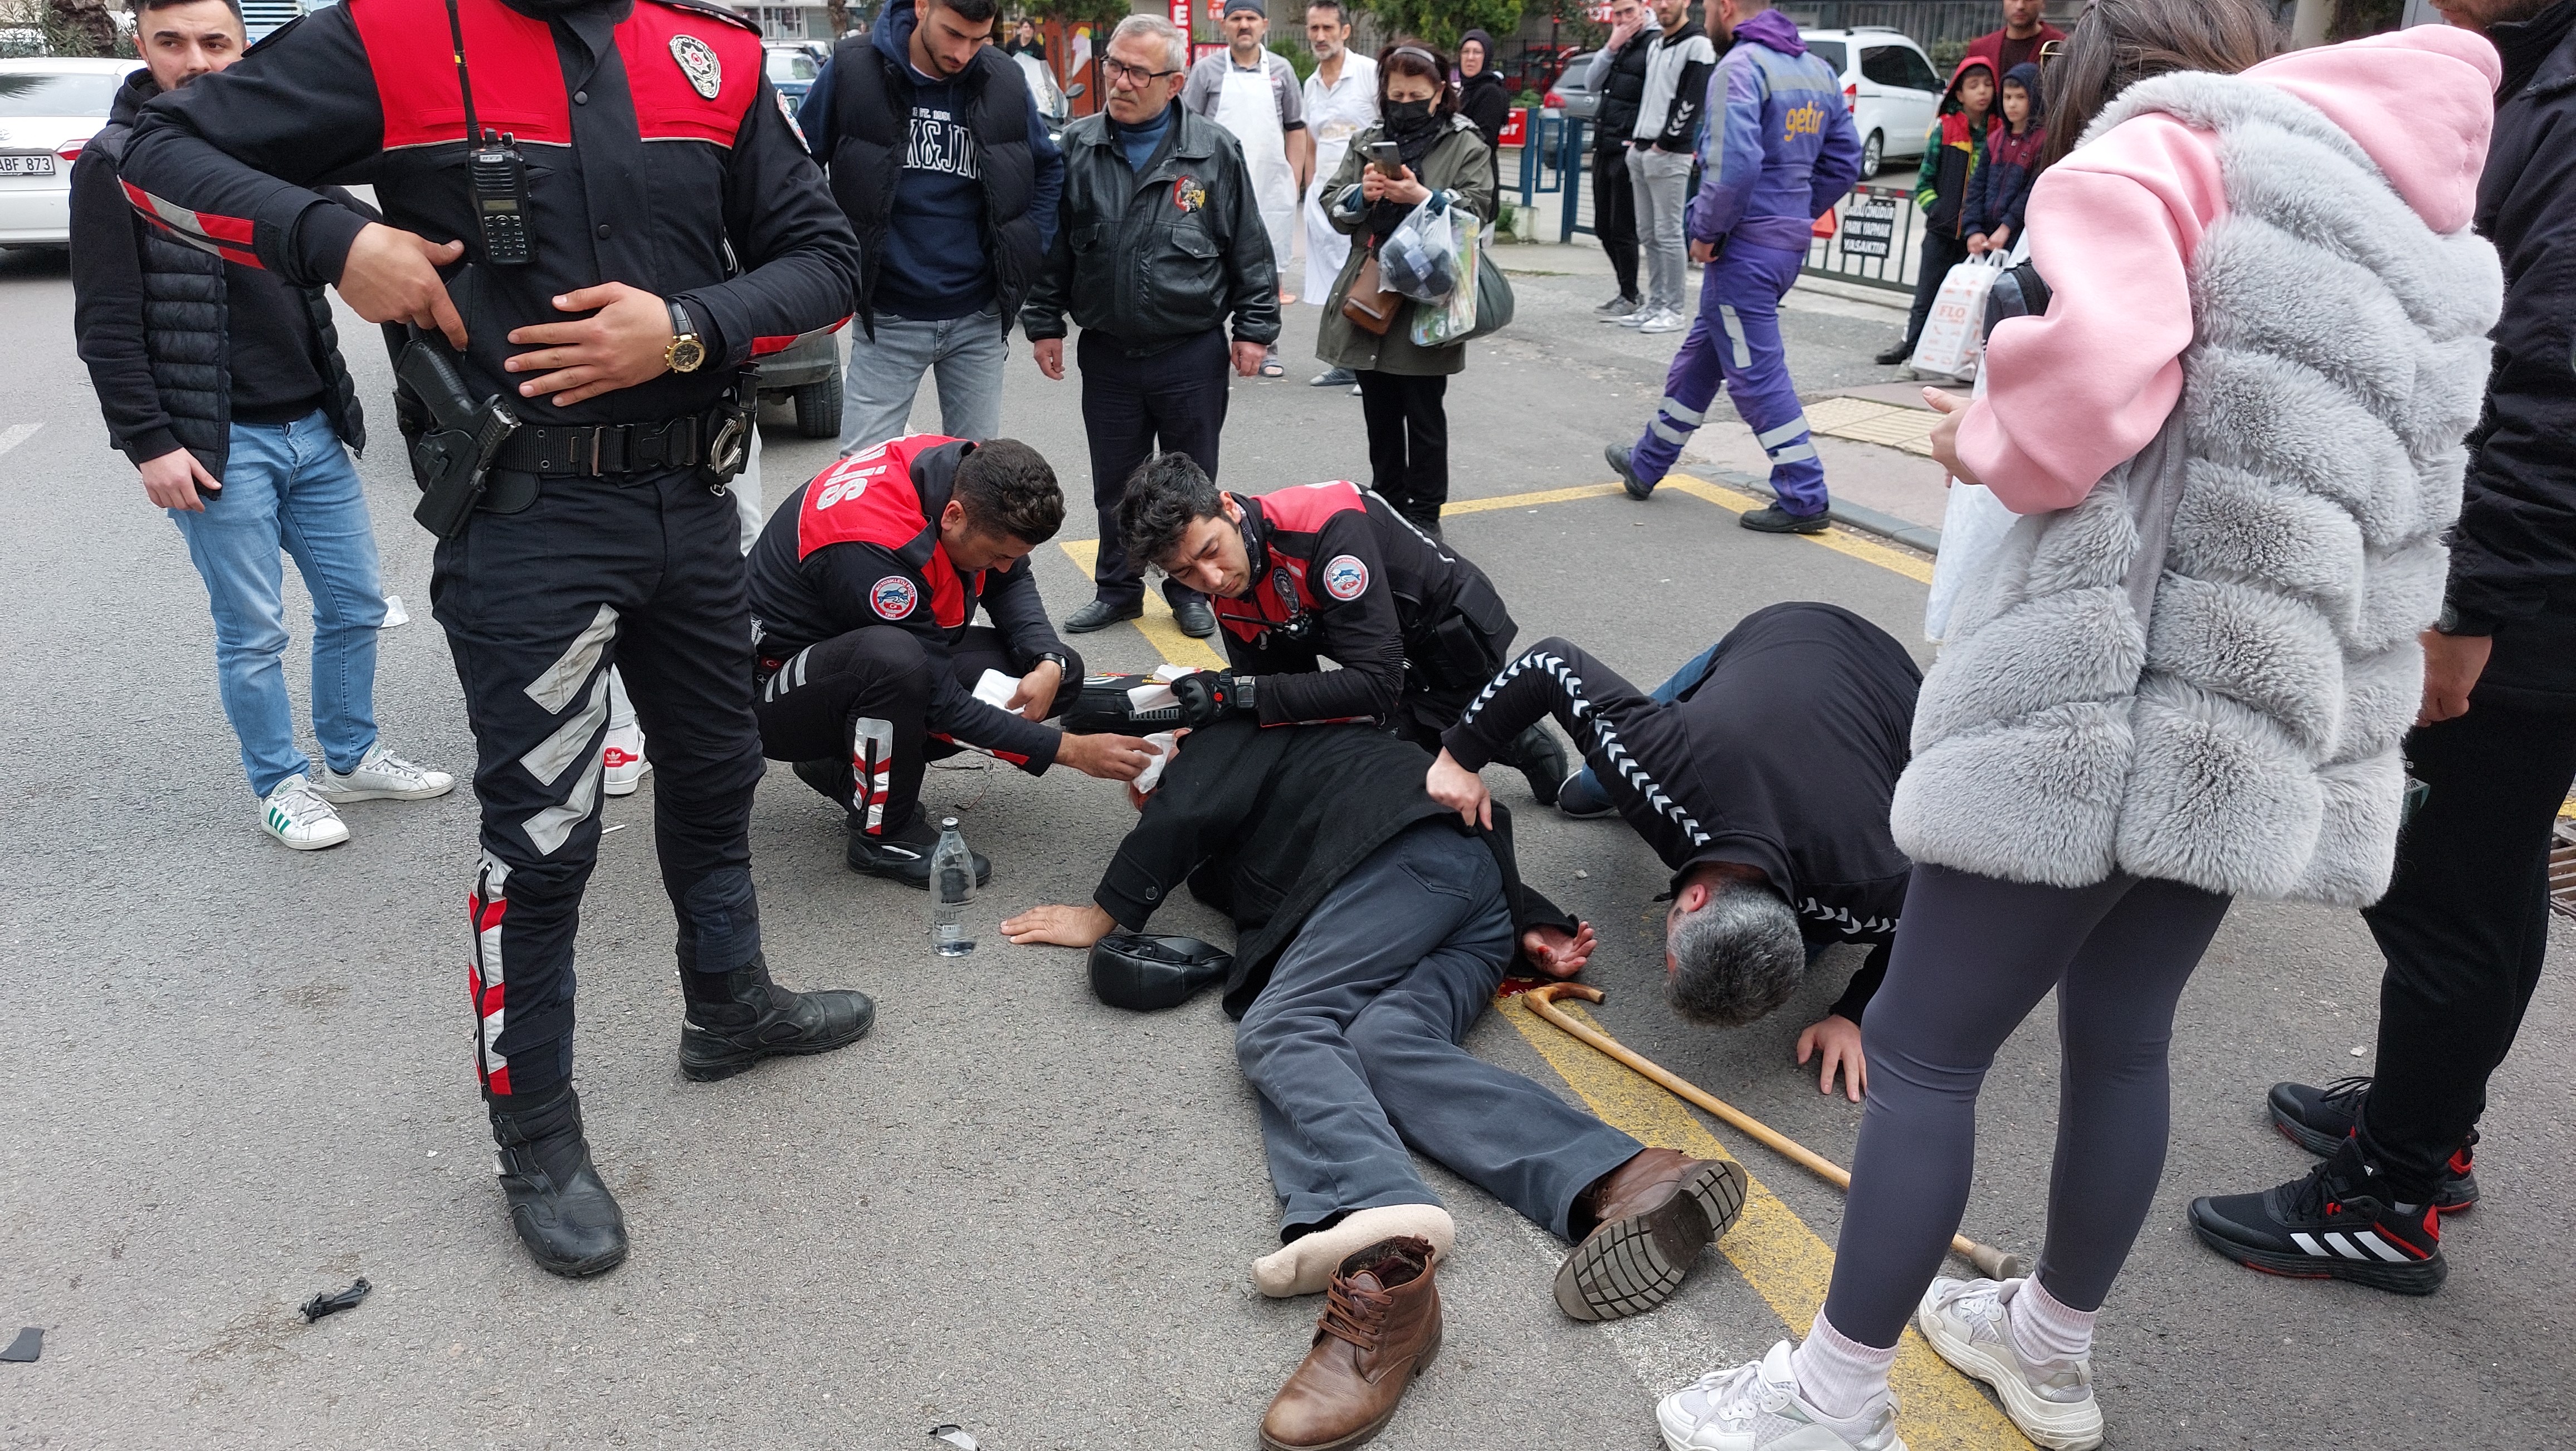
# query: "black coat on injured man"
1766 782
652 176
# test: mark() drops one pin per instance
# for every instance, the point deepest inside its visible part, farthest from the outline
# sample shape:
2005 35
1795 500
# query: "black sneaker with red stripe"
2335 1224
2320 1119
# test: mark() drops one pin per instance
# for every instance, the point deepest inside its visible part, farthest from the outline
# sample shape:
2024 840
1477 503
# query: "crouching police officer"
862 587
1329 570
635 222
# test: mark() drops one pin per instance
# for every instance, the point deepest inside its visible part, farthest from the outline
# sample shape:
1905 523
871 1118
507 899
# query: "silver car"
49 108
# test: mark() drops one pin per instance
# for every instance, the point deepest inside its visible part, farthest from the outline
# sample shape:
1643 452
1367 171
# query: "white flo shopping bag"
1958 320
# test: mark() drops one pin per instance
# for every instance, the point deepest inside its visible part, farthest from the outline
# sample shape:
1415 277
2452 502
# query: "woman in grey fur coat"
2235 442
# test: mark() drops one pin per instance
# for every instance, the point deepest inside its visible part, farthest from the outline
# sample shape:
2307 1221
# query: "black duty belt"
606 448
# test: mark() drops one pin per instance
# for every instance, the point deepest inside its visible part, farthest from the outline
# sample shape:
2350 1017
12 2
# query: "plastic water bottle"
952 886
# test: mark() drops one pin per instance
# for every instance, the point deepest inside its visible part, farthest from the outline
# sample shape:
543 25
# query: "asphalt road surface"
239 1075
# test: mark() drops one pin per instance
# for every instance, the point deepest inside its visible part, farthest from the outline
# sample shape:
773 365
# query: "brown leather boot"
1381 1327
1651 1217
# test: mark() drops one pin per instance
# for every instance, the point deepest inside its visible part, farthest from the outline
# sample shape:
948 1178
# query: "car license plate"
39 164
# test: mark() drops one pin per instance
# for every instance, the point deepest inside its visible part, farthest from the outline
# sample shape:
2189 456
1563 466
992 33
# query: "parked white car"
1890 86
49 108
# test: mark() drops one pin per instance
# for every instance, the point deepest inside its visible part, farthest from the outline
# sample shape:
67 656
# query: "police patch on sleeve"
1345 578
893 597
698 62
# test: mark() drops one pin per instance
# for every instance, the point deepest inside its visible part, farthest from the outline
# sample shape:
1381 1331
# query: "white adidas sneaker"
622 761
1756 1407
2052 1404
297 815
384 776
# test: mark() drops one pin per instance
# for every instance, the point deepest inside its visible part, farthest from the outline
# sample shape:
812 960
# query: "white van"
1890 86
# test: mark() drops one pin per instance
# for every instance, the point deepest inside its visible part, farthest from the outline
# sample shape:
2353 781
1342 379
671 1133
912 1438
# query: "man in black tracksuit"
676 229
1333 571
1160 240
1618 78
1764 786
863 589
2466 920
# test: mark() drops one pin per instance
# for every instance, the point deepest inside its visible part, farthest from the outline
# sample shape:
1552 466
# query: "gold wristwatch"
685 352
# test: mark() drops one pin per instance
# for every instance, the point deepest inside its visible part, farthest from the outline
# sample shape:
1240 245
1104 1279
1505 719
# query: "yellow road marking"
1839 540
1521 501
1778 1255
1157 624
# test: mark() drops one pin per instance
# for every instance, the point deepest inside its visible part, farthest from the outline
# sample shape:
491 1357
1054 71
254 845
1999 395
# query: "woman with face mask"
1402 385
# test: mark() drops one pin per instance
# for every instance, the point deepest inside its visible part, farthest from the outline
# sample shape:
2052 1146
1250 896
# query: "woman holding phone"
1420 146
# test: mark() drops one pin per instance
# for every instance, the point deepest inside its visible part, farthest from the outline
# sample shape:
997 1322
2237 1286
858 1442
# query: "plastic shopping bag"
1437 325
1973 527
1951 335
1419 259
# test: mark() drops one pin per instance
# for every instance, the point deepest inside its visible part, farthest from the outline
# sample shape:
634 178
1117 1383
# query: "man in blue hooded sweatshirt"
1780 151
935 149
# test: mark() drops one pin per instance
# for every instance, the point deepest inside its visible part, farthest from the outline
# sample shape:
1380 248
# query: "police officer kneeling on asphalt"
863 587
1329 570
631 154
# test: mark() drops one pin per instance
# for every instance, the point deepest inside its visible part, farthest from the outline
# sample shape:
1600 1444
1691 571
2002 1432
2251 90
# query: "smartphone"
1386 158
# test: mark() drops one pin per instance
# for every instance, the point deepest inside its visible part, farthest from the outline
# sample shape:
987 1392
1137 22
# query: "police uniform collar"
934 482
1256 537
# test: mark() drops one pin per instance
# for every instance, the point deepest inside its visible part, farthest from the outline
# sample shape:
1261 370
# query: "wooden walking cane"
1990 1261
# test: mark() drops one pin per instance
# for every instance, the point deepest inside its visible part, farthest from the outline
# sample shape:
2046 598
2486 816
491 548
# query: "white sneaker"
622 760
297 815
1757 1405
2052 1404
1669 320
384 776
1639 318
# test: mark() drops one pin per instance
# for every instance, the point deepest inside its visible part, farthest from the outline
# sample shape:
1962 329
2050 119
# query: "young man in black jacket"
1173 245
225 387
1372 933
2466 919
1762 776
1618 78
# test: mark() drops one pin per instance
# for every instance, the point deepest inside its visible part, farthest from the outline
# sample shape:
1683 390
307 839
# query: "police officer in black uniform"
1329 570
668 229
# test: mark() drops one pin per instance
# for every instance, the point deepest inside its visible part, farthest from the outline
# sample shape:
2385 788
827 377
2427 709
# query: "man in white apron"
1252 92
1340 102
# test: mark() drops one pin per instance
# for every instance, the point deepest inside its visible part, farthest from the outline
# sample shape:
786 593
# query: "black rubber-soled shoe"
1890 357
1634 1261
2335 1224
758 1019
1772 519
1582 798
1541 761
903 854
564 1215
1100 615
1619 464
2320 1119
1194 617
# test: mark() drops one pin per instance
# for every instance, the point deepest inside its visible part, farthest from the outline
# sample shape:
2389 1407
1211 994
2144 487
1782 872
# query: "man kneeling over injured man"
863 585
1761 774
1372 931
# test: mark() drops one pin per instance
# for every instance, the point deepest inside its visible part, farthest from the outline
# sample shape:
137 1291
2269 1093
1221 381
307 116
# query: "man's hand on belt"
391 275
622 344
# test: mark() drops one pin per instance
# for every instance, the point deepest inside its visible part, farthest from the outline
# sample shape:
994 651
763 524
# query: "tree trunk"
839 12
83 26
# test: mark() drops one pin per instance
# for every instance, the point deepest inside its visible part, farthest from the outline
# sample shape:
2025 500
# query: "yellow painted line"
1840 541
1523 501
1778 1255
1157 624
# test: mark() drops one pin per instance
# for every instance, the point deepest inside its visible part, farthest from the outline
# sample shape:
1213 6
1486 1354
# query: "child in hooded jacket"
1952 157
2001 187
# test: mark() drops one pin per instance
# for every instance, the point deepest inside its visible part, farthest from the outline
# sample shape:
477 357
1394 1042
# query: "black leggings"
1973 956
1408 441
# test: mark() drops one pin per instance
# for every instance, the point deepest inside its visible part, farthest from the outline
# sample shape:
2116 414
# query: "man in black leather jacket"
1159 242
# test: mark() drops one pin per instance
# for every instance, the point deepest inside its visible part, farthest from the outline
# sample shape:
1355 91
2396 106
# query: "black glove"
1211 696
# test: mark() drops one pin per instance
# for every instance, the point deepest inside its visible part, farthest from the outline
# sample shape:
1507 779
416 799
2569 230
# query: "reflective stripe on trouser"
1735 340
538 605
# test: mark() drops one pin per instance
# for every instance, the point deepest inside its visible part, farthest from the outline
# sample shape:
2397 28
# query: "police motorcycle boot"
1772 519
1540 760
2320 1119
902 854
1759 1405
1648 1220
2341 1222
1627 471
737 1018
383 776
1100 615
562 1212
1380 1329
1970 1323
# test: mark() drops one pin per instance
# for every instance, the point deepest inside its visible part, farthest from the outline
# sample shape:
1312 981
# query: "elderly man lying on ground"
1373 928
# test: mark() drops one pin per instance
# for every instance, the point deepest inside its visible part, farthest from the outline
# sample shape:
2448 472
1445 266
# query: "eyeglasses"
2051 49
1119 70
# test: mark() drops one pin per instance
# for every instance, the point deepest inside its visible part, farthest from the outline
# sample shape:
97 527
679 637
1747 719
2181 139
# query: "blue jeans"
290 485
884 373
1665 694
